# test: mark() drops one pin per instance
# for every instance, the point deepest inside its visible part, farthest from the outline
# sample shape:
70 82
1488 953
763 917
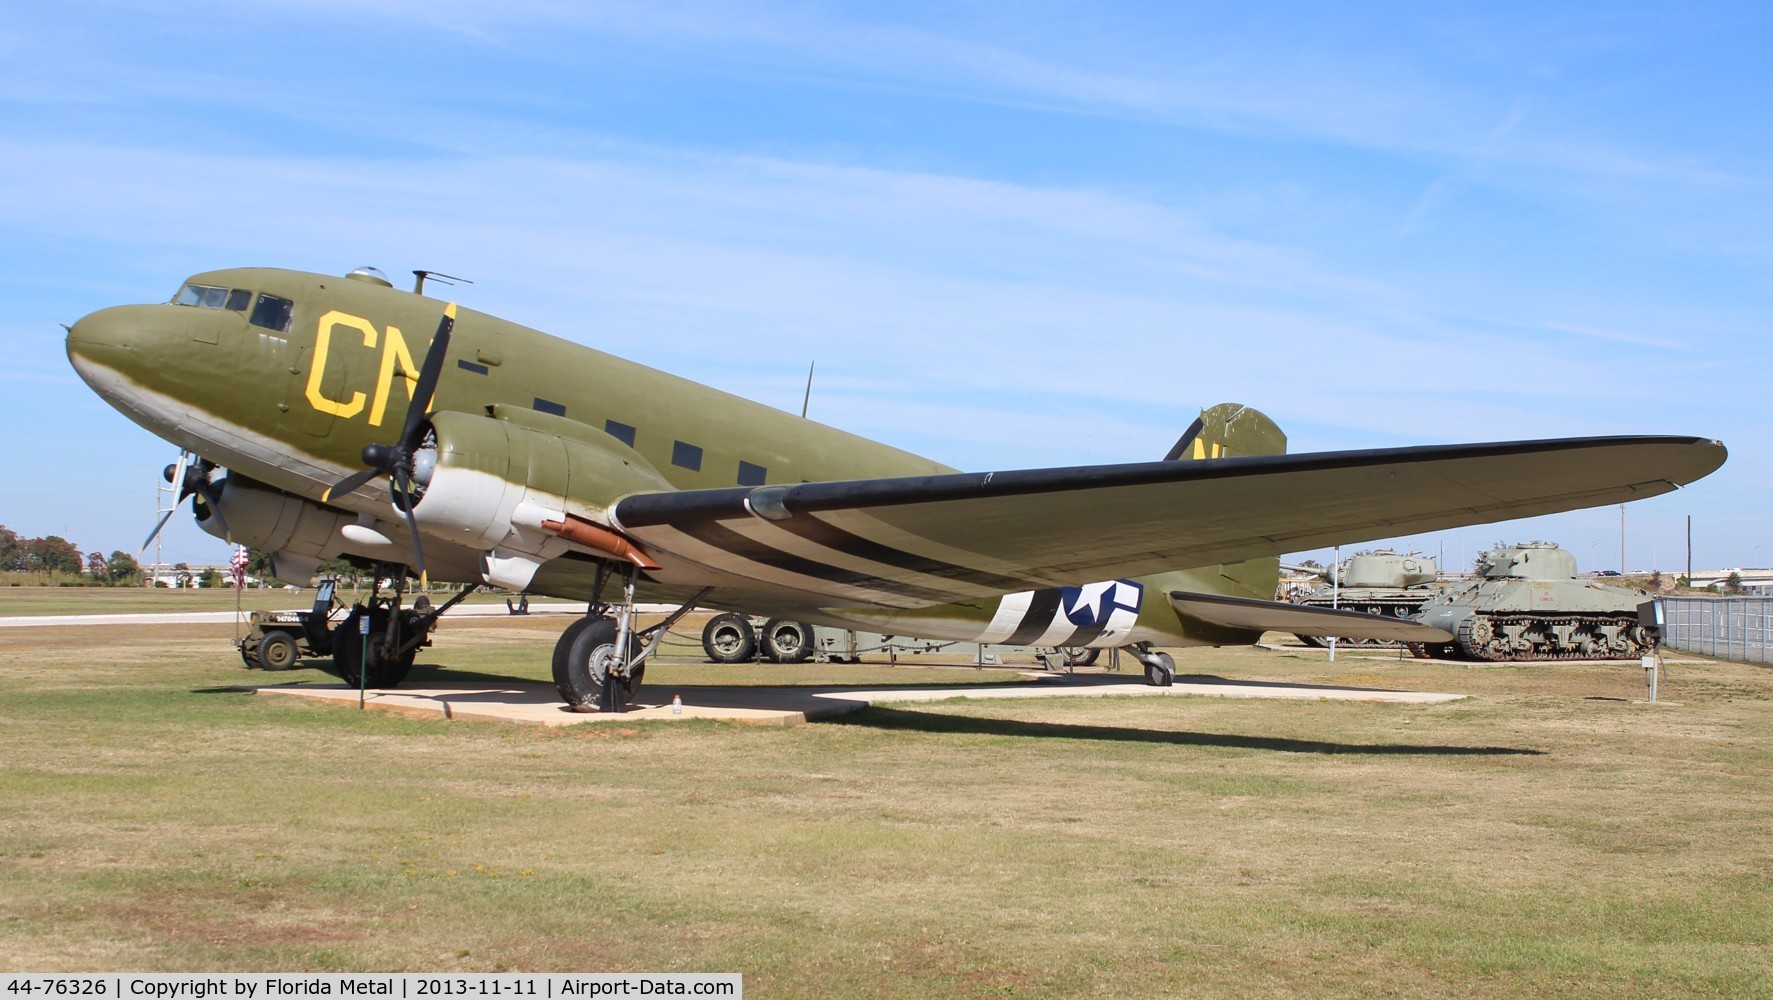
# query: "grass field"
1549 835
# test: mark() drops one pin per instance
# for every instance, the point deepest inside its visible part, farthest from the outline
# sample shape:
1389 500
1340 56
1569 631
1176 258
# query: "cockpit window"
205 296
214 297
272 313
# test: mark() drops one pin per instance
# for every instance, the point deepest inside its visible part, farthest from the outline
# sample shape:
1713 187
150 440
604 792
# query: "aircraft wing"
924 540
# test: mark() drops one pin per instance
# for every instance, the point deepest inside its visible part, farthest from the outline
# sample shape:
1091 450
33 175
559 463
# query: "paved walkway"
539 704
203 617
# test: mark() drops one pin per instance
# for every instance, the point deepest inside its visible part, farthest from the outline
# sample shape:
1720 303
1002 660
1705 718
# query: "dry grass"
1548 836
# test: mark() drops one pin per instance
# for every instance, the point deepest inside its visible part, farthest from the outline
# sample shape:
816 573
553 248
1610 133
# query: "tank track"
1482 637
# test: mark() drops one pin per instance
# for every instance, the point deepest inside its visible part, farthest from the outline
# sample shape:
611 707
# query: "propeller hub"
378 456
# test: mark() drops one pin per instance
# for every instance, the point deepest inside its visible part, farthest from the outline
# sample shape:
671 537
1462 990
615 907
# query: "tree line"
55 555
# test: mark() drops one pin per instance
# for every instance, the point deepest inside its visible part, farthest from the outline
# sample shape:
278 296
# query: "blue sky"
1012 235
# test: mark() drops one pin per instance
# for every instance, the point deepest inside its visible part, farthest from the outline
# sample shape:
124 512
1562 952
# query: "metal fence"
1729 628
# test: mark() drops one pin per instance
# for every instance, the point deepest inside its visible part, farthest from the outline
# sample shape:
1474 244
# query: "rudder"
1229 430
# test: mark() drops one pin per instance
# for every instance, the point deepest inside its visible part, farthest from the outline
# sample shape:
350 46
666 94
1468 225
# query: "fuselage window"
202 296
272 313
686 456
238 300
620 431
751 475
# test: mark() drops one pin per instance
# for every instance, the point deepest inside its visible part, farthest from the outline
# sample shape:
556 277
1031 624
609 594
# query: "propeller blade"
429 371
214 501
402 488
176 474
155 533
349 483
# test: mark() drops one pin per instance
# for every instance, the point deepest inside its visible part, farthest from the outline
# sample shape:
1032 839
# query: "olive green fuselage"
290 398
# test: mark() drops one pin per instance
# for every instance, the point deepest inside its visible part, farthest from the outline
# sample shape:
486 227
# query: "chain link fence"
1729 628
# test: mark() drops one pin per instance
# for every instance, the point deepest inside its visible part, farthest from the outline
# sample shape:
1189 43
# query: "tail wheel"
277 651
374 660
587 660
786 641
728 638
1161 673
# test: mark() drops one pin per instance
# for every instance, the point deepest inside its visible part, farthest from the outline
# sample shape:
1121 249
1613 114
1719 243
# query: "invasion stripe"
1085 635
794 543
724 538
831 536
1041 609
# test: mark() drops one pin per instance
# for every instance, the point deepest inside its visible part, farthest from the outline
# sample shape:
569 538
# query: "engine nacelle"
497 479
299 534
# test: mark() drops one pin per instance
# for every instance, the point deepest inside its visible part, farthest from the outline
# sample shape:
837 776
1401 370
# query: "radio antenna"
808 398
418 287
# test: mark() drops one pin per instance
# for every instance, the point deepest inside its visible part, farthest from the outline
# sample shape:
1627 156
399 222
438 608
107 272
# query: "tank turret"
1526 602
1380 582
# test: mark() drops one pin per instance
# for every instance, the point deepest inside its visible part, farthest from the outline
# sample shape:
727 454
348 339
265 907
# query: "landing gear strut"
382 656
599 661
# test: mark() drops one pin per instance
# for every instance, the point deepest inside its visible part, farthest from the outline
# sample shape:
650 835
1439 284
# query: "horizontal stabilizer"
1278 616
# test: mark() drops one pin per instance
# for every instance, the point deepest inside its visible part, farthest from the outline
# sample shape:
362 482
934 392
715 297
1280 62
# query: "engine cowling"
499 479
299 533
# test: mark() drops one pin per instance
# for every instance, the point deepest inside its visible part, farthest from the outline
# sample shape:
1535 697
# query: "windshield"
213 297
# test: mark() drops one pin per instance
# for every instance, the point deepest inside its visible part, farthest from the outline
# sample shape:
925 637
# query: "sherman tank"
1527 603
1381 582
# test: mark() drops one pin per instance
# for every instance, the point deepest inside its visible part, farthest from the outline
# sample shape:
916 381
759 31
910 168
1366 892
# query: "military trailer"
1526 602
731 637
1380 582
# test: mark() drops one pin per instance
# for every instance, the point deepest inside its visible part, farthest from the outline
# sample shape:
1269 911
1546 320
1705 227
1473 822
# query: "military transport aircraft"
498 455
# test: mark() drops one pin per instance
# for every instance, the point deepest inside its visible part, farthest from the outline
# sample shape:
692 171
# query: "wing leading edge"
931 539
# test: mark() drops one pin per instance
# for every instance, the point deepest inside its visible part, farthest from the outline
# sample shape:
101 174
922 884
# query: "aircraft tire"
582 673
728 638
1163 672
564 644
1080 656
348 649
277 651
787 641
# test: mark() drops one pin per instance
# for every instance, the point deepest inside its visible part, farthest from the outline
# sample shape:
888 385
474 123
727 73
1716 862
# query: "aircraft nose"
104 337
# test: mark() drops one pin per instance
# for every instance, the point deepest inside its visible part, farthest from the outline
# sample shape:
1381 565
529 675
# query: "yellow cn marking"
393 353
317 370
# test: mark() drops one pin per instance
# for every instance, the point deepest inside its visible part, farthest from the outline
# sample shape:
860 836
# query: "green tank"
1380 582
1527 603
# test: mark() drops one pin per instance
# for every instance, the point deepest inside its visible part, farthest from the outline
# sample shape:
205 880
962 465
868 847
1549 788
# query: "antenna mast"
808 398
418 286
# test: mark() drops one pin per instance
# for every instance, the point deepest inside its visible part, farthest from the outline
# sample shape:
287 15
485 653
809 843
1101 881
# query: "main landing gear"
600 660
375 644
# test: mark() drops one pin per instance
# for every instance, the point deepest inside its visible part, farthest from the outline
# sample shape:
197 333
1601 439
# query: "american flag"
237 567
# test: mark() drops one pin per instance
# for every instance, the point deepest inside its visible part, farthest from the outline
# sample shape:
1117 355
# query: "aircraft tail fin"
1234 430
1226 430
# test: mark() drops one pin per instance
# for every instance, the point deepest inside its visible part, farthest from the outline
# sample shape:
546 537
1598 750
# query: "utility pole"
1689 550
1621 539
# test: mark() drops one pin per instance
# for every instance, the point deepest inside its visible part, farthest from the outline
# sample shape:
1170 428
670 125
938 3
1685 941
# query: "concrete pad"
539 704
536 608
